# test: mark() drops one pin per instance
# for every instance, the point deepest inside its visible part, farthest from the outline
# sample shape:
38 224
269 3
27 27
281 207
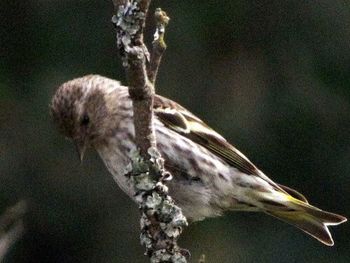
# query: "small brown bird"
210 176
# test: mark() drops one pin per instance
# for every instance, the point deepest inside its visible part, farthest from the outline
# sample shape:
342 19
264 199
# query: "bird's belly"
203 185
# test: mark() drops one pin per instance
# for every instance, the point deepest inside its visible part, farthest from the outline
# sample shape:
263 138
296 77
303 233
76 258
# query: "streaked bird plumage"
210 176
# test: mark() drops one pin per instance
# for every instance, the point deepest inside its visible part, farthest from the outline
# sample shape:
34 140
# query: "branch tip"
159 45
11 226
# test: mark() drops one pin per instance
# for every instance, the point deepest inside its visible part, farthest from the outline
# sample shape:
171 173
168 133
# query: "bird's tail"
295 210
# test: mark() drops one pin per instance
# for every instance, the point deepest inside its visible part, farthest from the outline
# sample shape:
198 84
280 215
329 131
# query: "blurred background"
272 76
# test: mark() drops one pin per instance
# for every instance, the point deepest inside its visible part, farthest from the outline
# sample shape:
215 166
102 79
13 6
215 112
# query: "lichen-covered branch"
130 21
11 227
162 221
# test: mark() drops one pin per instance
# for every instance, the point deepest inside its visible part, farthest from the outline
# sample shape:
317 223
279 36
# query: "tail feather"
328 218
308 223
306 217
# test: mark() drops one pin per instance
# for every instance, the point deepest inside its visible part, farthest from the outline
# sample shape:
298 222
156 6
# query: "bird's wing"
188 125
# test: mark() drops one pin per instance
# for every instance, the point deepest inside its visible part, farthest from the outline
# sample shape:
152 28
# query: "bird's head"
85 110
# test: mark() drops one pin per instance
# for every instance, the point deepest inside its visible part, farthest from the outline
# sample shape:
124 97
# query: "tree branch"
11 227
161 221
159 45
130 22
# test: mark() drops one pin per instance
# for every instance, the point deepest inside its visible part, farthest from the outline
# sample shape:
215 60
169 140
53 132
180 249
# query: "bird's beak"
81 148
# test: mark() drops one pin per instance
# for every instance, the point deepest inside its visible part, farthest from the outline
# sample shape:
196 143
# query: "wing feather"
188 125
177 118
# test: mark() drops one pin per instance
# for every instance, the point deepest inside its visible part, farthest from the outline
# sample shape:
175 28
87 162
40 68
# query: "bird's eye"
85 120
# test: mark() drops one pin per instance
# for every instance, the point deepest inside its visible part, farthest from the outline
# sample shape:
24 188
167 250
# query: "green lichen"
129 22
155 203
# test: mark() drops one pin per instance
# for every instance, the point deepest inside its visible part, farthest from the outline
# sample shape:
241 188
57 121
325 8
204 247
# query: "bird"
210 176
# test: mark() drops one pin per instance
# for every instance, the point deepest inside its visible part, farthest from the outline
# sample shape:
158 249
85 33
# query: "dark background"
272 76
